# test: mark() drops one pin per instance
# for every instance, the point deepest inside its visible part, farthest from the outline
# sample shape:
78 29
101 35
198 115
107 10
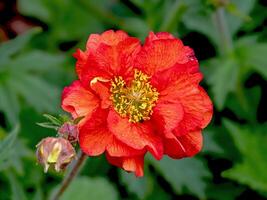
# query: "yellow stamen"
135 101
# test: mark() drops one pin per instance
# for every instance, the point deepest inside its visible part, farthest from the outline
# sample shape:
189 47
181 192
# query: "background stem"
71 175
225 36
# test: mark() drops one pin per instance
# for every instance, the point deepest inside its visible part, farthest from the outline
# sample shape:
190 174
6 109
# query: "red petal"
108 37
94 136
161 35
185 146
107 55
115 60
196 105
131 164
162 51
78 100
118 149
101 88
135 135
167 114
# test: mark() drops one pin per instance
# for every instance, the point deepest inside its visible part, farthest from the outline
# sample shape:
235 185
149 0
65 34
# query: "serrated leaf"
13 46
251 142
90 188
185 175
256 57
37 92
216 78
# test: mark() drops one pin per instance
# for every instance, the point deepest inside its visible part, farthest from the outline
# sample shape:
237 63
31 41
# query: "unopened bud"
57 152
69 131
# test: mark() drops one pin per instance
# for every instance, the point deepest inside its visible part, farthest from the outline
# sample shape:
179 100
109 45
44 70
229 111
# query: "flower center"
135 101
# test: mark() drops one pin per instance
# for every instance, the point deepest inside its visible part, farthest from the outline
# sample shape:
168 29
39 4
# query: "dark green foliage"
36 65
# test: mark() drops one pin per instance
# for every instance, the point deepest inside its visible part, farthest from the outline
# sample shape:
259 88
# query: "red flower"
137 98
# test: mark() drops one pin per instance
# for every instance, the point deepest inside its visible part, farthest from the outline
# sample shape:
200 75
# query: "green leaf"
7 147
36 60
226 191
48 125
251 142
61 17
43 96
35 8
206 22
249 110
9 104
222 76
13 46
238 14
185 175
210 145
16 187
176 10
53 119
140 186
90 188
256 57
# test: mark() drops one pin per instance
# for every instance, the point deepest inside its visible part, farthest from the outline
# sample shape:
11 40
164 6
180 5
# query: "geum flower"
137 98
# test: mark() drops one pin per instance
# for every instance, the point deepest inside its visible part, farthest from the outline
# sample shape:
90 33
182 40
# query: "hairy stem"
71 175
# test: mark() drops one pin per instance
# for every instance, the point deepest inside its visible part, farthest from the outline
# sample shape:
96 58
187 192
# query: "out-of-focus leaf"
222 76
249 109
225 191
256 57
140 186
210 145
43 96
38 194
136 26
251 142
12 46
16 158
174 15
239 13
6 147
16 187
68 20
36 60
90 188
158 193
206 20
35 8
9 104
186 175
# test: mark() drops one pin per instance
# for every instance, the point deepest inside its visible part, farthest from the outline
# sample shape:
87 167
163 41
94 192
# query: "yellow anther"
136 100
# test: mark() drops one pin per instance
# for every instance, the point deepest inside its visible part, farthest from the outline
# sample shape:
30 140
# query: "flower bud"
69 131
57 152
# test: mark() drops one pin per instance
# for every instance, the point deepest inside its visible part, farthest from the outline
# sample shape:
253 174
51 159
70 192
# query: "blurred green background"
38 38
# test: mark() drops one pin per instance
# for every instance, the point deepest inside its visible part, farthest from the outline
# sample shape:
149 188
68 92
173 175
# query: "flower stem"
222 26
71 175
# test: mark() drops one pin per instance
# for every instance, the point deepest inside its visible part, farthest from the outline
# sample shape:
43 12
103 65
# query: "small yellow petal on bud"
57 152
